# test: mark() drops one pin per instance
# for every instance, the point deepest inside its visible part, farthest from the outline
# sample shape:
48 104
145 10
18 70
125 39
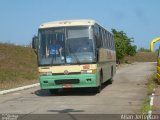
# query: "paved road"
124 96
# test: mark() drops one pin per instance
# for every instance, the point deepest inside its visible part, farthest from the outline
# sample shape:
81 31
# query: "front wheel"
98 89
53 91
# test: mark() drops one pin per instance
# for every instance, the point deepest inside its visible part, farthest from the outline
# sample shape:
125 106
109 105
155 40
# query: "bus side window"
107 40
112 43
100 37
102 40
96 36
159 52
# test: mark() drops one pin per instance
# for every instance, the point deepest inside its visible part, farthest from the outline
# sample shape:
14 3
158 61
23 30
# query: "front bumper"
84 80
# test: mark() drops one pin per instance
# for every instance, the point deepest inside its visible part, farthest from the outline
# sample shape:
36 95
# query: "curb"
151 104
18 89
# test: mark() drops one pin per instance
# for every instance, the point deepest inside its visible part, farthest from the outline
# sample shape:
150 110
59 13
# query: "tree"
144 50
123 45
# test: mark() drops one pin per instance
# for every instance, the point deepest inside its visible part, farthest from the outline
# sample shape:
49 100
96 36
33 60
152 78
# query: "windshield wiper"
70 52
75 56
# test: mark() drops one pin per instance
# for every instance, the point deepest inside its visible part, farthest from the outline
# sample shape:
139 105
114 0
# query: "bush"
123 45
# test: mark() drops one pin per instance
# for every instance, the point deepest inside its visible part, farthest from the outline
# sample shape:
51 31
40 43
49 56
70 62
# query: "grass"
18 66
151 85
146 106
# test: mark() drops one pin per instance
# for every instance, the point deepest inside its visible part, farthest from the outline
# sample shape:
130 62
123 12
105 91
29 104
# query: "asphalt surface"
124 96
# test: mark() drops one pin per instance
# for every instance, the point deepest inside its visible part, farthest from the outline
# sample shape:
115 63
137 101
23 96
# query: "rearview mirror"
34 43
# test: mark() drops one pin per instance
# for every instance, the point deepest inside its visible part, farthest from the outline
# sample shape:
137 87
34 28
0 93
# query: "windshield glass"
70 45
80 45
159 52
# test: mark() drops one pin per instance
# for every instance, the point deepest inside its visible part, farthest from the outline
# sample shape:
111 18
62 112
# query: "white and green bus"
74 54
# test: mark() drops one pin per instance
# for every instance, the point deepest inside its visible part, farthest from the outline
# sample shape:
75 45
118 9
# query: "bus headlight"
93 71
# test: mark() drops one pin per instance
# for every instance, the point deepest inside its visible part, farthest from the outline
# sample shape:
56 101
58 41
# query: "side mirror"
35 43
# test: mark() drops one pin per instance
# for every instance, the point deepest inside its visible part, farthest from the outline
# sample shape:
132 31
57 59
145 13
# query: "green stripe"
86 80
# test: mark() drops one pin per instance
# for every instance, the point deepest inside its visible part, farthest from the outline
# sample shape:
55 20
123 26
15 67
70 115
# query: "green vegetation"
151 85
18 66
144 50
146 106
123 44
126 52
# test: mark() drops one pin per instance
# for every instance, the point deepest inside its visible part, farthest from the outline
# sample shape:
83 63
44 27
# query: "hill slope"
142 57
18 66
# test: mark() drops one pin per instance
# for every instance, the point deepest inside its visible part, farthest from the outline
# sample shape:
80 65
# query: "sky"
139 19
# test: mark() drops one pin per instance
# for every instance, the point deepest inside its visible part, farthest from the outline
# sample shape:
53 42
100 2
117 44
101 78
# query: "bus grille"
69 81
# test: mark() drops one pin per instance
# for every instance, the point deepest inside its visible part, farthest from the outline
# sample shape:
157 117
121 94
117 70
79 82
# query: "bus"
158 66
74 54
158 58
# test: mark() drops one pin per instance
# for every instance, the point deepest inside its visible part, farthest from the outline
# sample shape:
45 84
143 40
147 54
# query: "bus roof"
64 23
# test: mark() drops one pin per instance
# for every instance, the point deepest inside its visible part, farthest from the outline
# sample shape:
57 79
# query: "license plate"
67 86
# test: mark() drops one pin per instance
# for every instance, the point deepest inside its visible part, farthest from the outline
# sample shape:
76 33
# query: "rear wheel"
111 79
98 89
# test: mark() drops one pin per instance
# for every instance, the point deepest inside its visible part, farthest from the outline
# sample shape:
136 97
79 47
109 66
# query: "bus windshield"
66 45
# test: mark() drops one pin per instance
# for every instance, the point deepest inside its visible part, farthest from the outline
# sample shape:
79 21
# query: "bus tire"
53 91
95 90
99 88
111 79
